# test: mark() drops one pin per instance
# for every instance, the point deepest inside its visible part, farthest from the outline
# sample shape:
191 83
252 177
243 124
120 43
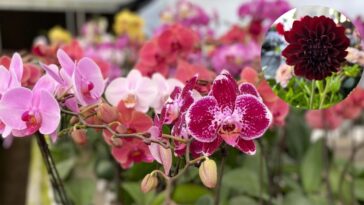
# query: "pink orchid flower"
26 111
88 82
84 77
159 153
234 114
10 78
131 151
165 88
137 92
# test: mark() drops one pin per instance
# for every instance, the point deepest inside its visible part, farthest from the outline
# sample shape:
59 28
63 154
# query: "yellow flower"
130 24
59 35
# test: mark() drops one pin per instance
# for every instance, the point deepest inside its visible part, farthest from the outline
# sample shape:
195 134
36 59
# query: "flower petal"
53 71
12 106
50 112
246 146
66 61
248 88
255 116
162 156
16 68
224 89
200 119
207 149
116 90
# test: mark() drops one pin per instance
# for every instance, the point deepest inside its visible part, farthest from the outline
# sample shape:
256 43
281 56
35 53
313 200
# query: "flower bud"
107 113
74 120
208 173
79 136
149 182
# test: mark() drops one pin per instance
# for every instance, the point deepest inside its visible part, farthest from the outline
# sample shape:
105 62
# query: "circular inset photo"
312 58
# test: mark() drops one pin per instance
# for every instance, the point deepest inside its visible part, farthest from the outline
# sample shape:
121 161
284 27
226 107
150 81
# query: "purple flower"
234 57
88 82
236 115
10 78
26 111
83 78
263 13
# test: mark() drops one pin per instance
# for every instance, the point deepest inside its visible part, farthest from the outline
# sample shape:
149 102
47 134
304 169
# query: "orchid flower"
159 153
165 88
10 79
84 77
135 91
236 115
26 111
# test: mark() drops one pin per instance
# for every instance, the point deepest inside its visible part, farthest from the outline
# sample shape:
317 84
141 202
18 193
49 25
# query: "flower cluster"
161 53
262 14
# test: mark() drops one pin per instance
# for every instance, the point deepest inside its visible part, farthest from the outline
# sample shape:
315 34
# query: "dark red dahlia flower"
316 47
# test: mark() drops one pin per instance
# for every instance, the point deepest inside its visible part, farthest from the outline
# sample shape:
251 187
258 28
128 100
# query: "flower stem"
323 95
312 94
55 179
220 176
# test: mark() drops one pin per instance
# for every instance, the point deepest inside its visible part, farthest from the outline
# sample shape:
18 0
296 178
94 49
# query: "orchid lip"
130 101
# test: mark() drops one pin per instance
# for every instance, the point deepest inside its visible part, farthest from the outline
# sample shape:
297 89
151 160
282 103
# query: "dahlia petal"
200 119
12 106
246 146
50 112
248 88
256 118
224 89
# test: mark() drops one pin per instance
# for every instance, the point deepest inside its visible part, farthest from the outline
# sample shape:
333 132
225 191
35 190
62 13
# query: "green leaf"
240 200
105 169
205 200
296 198
189 193
243 181
140 198
65 167
359 189
311 167
81 191
297 134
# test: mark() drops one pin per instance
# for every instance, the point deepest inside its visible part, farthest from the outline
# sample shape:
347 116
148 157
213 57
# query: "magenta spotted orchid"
235 114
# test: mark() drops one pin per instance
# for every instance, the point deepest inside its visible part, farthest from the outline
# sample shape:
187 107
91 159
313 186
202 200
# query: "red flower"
235 35
132 151
316 47
234 114
161 52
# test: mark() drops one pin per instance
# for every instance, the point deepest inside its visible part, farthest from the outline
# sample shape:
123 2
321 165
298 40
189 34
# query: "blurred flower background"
145 50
